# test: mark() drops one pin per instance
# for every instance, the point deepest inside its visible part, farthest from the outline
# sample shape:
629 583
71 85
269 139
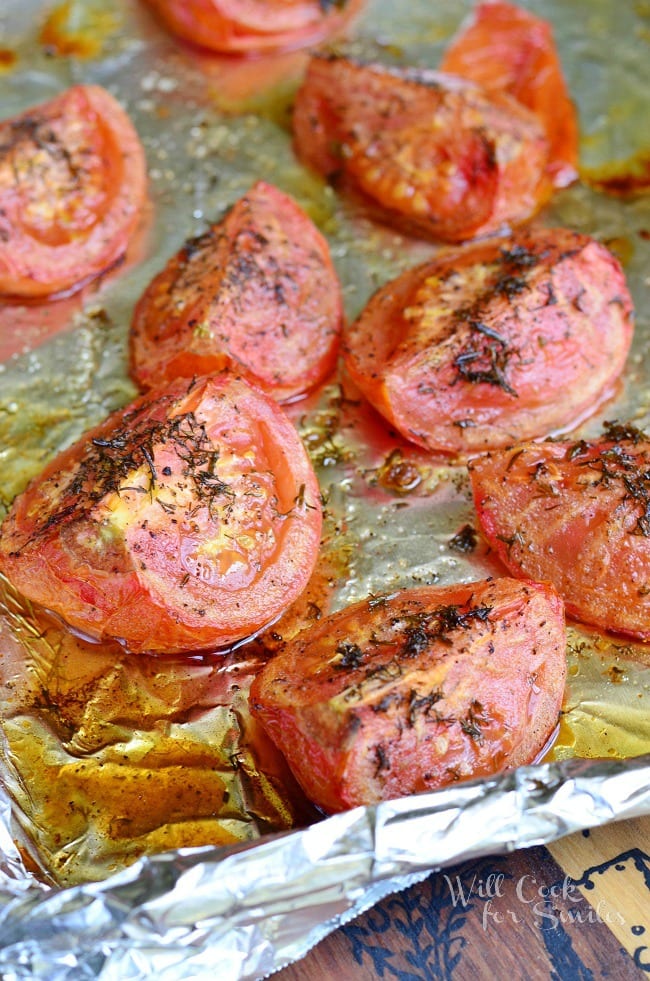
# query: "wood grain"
612 867
579 909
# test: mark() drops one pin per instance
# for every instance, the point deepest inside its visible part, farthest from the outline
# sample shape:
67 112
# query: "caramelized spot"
622 178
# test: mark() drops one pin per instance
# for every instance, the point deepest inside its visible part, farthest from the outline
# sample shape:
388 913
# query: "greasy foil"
146 827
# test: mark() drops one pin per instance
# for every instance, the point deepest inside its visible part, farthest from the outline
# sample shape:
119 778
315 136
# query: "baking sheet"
209 132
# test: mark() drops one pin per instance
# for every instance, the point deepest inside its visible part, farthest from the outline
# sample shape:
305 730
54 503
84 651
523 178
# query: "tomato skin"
438 154
575 513
509 49
255 26
497 342
257 292
186 521
72 191
410 692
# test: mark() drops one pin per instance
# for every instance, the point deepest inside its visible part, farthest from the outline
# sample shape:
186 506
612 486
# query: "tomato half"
251 26
496 342
578 514
509 49
438 154
186 521
414 691
72 190
258 291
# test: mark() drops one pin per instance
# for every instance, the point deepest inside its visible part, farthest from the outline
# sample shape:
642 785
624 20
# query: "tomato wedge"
252 26
436 153
578 514
497 342
186 521
257 291
414 691
509 49
72 191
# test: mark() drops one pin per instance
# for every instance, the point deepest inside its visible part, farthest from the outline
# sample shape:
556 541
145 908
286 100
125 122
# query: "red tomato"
577 514
509 49
257 291
250 26
414 691
186 521
72 190
496 342
437 153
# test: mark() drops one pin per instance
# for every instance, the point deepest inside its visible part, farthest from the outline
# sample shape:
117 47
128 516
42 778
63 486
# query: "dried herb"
485 358
108 462
519 258
472 725
516 539
422 704
393 698
577 449
616 465
351 656
510 286
421 629
382 759
464 541
619 432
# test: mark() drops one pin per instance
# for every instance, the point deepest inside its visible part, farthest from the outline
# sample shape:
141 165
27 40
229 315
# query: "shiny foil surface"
147 824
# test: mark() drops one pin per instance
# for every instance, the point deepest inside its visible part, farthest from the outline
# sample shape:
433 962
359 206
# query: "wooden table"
578 909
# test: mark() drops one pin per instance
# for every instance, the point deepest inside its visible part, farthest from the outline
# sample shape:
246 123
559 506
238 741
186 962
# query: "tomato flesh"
496 342
72 190
509 49
577 514
413 691
436 153
186 521
254 26
257 291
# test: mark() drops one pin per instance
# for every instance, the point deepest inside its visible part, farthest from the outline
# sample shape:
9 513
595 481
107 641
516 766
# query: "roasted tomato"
509 49
252 26
435 152
577 514
413 691
499 341
72 190
186 521
257 291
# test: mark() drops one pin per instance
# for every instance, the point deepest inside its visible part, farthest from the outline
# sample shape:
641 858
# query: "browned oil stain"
167 784
8 59
622 178
622 247
398 475
67 34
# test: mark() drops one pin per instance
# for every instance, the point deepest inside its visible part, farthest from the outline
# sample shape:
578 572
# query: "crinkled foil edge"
252 910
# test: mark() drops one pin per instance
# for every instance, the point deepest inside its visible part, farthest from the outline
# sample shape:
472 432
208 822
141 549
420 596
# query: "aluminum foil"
252 912
393 516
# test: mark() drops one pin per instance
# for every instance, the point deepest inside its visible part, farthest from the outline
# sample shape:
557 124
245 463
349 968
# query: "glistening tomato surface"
509 49
251 26
258 291
72 189
435 152
577 514
186 521
416 690
494 343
